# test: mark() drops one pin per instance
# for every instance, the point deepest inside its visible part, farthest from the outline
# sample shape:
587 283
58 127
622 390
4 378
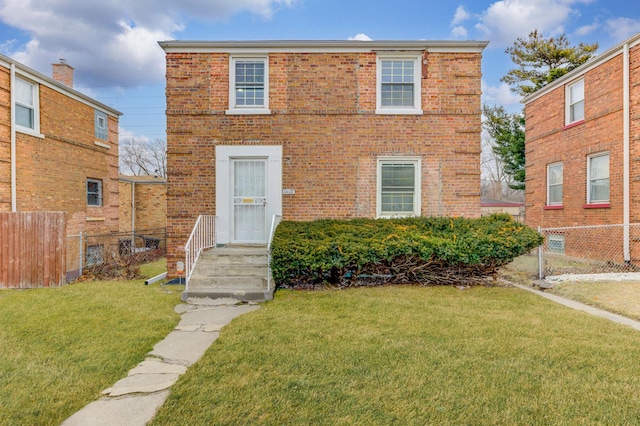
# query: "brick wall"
52 170
323 115
549 141
150 205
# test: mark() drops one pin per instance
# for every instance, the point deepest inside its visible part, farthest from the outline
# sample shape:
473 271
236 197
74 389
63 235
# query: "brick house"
583 147
58 149
319 129
143 203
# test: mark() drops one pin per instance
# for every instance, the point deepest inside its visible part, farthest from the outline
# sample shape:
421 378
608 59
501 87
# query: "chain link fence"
583 250
103 252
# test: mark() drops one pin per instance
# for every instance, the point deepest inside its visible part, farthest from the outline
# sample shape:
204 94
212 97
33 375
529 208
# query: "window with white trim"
554 184
575 102
398 187
101 125
94 192
249 85
27 113
598 178
398 85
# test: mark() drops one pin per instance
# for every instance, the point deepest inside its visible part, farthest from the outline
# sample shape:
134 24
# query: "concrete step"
240 282
238 272
205 269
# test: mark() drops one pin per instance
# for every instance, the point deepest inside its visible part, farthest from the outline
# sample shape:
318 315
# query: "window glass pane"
555 174
24 116
24 92
577 111
397 188
577 92
94 192
397 95
599 167
599 190
250 76
555 194
101 131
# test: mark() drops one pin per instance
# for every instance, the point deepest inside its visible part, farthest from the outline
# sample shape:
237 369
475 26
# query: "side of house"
143 203
58 149
583 144
319 129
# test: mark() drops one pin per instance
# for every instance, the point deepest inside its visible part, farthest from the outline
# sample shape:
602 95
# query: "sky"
113 44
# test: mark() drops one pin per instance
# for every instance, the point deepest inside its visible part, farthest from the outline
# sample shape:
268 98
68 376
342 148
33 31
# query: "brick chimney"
63 73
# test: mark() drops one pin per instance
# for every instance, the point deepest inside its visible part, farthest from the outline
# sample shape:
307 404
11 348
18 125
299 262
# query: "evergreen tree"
507 132
541 60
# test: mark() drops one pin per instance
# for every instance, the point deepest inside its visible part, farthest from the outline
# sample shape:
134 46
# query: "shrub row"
434 250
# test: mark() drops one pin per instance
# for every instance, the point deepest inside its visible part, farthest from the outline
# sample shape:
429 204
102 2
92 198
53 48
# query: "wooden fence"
32 249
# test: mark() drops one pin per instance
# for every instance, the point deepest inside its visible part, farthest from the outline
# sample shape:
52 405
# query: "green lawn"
60 347
412 355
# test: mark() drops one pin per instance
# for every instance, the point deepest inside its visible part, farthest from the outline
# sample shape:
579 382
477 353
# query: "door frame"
223 184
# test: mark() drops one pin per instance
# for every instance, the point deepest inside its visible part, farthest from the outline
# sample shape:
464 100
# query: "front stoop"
238 272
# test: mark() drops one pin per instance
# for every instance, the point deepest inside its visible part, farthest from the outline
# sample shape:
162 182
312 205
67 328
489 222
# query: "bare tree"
140 157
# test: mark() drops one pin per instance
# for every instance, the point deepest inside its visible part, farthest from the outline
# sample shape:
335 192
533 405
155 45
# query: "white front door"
248 192
249 200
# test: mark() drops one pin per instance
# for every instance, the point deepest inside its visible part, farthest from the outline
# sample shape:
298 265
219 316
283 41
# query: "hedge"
434 250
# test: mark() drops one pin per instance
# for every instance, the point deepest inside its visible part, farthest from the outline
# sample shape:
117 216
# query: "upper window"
598 179
26 105
398 86
94 192
249 86
554 184
575 102
398 187
101 125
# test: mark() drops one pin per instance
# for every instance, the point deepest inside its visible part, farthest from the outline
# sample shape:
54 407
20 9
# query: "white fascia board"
298 46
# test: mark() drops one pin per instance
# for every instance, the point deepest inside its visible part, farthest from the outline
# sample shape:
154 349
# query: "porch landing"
236 271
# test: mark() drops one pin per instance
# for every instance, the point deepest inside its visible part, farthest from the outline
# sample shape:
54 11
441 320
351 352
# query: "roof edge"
192 46
56 85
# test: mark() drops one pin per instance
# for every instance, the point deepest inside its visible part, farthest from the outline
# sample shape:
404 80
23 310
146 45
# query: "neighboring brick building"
583 145
58 149
319 129
143 203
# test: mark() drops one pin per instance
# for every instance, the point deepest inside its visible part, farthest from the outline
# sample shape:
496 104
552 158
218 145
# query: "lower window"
555 243
95 254
398 187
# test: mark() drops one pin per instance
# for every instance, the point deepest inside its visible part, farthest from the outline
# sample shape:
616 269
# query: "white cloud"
113 42
360 37
460 16
459 32
501 95
621 29
506 20
585 30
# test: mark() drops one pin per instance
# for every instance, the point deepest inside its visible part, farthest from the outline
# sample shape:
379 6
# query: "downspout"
626 131
13 140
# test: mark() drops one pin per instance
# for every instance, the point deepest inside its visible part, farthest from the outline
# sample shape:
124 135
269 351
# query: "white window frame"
100 192
417 87
589 179
417 198
571 102
550 184
35 107
233 108
101 125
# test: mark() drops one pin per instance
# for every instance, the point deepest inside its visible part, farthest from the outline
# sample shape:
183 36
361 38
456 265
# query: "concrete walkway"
582 307
135 399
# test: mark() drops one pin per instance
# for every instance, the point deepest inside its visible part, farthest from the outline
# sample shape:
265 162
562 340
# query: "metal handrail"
275 221
202 236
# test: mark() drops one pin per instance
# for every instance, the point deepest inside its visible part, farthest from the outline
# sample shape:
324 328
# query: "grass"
60 347
412 355
621 297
